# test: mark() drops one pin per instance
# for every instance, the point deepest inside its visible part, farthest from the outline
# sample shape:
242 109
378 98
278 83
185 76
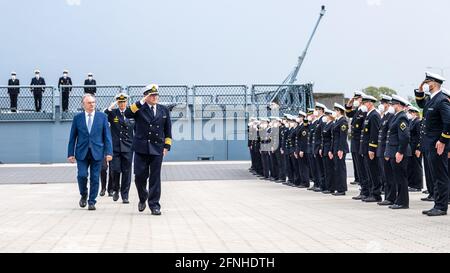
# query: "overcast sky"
359 42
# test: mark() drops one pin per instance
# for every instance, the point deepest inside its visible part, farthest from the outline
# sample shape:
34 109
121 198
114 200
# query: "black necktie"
151 110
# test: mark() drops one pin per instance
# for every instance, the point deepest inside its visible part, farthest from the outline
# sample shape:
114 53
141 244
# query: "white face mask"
410 116
426 87
13 77
325 119
316 113
381 108
334 115
356 103
391 110
65 75
37 76
309 118
364 109
298 120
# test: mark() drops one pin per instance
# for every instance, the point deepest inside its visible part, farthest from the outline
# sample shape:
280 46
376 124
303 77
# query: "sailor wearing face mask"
301 150
415 170
282 140
292 166
387 112
398 151
436 135
90 81
326 151
317 142
312 124
265 147
13 91
251 136
352 110
37 91
371 184
256 148
339 148
65 80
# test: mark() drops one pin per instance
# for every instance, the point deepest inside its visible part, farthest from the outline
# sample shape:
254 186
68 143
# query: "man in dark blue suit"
37 91
92 137
152 141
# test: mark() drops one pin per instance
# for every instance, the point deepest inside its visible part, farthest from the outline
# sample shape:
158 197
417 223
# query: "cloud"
73 2
373 3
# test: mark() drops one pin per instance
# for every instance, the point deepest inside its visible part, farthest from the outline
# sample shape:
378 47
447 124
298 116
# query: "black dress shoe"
110 193
426 192
116 196
426 211
141 206
301 186
395 206
317 190
371 199
310 189
428 198
83 202
155 211
338 193
359 197
354 183
91 207
102 192
326 192
414 190
125 201
385 203
436 212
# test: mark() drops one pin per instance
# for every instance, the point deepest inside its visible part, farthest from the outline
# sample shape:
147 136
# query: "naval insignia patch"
344 127
403 126
116 119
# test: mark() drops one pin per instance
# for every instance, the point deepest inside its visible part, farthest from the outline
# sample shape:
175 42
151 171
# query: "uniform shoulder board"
403 125
343 127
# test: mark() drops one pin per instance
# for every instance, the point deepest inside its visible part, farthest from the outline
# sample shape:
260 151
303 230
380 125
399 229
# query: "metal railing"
174 96
104 97
220 101
199 101
33 103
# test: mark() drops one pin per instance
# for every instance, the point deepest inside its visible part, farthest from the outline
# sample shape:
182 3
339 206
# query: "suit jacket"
356 126
398 136
98 141
66 81
37 90
90 90
152 133
369 134
122 131
339 136
13 90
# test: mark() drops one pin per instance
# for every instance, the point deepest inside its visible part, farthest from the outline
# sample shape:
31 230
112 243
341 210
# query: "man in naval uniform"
65 91
151 142
13 91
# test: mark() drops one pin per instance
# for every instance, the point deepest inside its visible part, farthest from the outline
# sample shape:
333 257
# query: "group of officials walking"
387 145
142 130
39 82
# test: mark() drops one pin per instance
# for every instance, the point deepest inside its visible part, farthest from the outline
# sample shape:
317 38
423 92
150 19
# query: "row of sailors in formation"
312 147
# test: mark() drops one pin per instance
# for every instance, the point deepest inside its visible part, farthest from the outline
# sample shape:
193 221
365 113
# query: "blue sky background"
359 42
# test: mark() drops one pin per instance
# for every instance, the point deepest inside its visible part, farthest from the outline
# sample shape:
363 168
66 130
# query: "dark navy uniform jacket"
13 90
357 123
312 128
317 136
90 90
415 127
302 138
339 136
369 133
291 139
283 135
382 134
436 120
326 145
398 136
66 81
152 133
37 90
122 131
